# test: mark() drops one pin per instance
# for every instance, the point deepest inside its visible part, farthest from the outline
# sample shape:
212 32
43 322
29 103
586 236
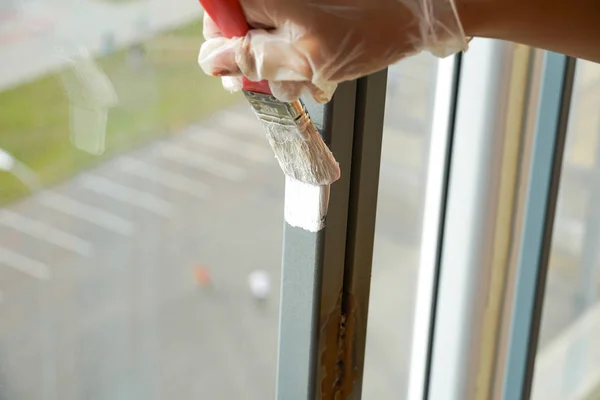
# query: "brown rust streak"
348 344
340 369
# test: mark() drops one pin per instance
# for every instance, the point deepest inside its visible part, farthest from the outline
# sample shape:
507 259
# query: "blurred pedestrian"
260 285
202 276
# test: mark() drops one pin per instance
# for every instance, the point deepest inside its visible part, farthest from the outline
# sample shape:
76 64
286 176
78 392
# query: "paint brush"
296 142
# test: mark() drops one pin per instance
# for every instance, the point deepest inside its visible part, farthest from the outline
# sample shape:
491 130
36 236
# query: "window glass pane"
141 211
407 130
568 358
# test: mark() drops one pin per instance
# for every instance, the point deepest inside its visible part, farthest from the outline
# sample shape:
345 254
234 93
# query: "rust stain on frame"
338 355
347 355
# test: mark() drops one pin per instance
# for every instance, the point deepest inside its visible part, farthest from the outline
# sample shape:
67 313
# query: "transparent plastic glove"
307 46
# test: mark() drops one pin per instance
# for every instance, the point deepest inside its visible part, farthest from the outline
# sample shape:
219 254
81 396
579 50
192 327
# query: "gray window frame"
326 275
481 284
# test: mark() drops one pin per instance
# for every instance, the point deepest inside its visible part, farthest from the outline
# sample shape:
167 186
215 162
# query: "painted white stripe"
252 152
40 230
87 213
126 195
23 264
201 162
163 177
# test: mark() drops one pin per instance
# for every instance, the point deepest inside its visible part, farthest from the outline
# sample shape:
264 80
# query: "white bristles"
301 152
296 142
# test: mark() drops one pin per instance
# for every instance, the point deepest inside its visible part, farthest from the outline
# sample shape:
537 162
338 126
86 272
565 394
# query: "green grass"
158 97
594 394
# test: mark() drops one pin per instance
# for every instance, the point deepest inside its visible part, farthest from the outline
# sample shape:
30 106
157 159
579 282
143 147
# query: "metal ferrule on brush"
270 110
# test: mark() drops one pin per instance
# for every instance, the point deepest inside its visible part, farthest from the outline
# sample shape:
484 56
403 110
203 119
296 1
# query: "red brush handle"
231 20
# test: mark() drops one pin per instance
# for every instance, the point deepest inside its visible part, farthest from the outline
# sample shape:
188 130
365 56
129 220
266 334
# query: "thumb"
217 57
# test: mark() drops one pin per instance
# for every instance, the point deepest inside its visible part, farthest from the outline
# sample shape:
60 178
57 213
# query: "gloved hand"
302 46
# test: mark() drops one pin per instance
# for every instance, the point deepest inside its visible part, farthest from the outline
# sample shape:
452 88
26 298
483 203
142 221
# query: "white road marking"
201 162
85 212
127 195
40 230
166 178
250 151
245 122
23 264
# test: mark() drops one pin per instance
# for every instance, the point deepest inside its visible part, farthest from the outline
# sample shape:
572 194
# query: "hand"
308 46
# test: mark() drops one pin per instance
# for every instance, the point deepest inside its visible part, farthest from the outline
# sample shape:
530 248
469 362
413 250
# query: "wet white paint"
305 205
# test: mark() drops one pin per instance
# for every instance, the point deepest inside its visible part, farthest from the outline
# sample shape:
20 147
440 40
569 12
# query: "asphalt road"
99 297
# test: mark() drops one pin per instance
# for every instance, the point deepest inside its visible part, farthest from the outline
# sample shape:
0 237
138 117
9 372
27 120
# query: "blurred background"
141 217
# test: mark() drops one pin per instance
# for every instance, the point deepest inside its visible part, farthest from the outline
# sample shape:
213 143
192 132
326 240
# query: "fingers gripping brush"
296 142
